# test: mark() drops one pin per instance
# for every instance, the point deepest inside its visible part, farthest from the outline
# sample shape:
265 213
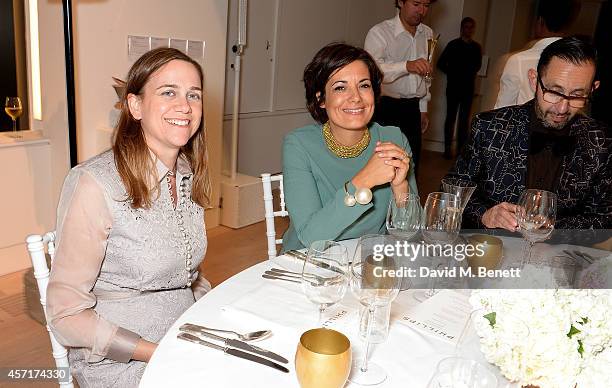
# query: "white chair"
266 180
36 249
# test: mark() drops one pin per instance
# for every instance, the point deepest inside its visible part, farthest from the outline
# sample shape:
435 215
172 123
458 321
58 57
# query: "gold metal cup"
323 359
492 254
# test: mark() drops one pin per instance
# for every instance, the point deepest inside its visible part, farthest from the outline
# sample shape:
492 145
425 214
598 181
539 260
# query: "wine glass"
374 285
440 226
535 215
404 216
325 274
13 108
441 218
457 372
463 189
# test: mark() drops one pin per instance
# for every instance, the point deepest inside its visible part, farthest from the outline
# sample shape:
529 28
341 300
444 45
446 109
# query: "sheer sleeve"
200 286
83 225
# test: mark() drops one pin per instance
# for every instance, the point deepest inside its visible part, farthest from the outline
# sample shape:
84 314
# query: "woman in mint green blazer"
340 173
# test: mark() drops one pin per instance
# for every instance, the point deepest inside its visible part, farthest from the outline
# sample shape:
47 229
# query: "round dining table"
247 302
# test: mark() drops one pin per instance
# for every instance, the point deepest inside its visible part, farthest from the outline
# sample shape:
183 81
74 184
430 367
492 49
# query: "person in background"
399 46
340 173
552 16
460 60
130 227
546 143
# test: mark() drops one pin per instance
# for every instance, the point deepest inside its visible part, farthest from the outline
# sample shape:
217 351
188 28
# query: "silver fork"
309 276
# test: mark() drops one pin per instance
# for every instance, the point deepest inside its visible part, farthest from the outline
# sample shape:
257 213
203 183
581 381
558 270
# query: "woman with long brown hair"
130 227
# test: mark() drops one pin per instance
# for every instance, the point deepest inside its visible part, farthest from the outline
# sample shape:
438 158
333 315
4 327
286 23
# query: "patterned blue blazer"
495 158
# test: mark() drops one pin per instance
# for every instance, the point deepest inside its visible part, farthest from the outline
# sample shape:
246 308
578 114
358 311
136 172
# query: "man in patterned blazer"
547 143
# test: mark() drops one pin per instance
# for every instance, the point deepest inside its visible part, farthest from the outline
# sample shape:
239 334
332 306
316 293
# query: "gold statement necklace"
343 151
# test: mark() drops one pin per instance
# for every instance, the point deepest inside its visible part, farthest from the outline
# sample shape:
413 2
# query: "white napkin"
287 310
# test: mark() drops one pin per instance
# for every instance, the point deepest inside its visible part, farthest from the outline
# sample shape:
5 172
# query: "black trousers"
405 114
457 100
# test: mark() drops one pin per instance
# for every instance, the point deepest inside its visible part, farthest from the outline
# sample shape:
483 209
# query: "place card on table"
442 316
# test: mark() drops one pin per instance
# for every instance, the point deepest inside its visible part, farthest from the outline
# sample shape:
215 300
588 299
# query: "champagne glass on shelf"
325 274
536 215
374 285
404 216
13 108
440 226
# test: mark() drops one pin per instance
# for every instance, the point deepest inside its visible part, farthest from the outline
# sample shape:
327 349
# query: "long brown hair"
132 156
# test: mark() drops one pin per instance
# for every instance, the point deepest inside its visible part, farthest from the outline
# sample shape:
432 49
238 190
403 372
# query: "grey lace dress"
121 274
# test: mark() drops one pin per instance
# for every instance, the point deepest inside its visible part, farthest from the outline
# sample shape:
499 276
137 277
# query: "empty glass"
441 218
404 216
536 215
463 189
457 372
325 274
374 285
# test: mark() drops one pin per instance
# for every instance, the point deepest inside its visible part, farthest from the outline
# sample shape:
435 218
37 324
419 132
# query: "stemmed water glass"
325 274
463 189
12 107
441 218
457 372
404 216
535 215
440 225
375 288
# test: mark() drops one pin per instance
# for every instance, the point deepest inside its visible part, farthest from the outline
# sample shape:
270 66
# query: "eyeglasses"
553 97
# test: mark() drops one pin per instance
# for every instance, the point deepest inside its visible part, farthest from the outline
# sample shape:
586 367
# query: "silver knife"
302 256
233 343
232 352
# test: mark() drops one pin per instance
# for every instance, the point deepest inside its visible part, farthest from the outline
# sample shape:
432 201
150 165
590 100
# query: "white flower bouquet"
547 338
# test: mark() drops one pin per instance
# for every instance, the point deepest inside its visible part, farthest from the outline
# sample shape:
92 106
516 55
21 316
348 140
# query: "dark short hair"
325 63
571 49
399 6
467 19
557 14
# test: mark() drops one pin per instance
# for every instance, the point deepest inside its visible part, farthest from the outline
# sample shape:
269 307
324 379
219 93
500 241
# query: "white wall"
36 171
100 36
25 205
500 22
445 19
97 60
272 92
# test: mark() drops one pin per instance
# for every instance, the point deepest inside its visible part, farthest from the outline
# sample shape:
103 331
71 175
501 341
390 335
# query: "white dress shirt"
514 87
392 46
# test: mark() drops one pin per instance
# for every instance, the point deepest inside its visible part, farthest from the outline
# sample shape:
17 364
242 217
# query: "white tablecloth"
408 356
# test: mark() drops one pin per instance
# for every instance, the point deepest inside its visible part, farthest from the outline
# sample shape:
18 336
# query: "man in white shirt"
552 17
399 46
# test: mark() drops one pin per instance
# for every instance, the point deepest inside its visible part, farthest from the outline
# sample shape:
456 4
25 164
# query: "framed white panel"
257 60
304 27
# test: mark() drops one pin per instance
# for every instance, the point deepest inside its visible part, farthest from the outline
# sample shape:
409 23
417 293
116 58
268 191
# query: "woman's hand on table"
144 350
